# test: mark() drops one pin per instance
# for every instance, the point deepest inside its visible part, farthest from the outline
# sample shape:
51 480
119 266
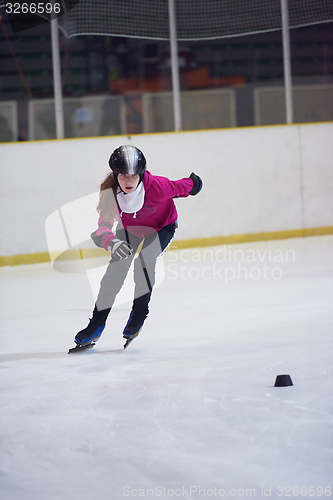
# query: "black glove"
120 249
197 184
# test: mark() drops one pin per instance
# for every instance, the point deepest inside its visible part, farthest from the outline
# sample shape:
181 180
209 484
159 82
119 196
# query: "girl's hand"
197 184
120 249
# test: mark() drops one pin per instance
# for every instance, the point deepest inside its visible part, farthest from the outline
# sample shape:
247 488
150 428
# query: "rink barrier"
38 258
272 178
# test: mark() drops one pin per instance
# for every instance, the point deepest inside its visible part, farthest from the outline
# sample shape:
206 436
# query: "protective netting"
196 19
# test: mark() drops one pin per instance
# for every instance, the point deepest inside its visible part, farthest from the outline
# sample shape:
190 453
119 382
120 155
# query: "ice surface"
190 409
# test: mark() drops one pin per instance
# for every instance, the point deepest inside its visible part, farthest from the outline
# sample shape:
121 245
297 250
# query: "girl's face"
128 182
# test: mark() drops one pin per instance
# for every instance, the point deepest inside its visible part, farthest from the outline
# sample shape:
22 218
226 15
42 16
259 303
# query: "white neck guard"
132 202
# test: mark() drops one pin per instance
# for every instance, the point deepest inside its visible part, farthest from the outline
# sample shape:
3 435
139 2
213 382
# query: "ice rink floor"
190 409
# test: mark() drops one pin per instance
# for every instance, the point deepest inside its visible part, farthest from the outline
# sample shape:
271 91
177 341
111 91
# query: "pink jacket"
158 209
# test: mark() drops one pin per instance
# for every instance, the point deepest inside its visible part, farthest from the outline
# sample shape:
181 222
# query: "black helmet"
127 160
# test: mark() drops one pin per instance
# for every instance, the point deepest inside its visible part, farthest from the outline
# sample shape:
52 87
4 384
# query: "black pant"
144 271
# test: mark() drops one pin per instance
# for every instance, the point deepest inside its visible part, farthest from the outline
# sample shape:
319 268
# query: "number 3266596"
32 8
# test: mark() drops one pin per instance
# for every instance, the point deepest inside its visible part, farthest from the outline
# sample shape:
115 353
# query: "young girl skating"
143 206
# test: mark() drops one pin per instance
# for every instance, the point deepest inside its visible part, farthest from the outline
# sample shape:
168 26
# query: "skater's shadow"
31 355
4 358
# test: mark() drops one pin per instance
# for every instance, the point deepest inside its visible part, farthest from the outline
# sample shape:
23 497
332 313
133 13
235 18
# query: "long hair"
107 206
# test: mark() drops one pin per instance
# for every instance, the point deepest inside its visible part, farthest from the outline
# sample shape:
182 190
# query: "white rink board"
255 180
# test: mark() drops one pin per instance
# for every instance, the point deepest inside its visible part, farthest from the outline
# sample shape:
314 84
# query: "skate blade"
130 339
127 343
80 348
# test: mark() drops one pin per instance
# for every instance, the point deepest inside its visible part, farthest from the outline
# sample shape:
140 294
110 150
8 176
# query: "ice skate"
86 338
90 334
133 327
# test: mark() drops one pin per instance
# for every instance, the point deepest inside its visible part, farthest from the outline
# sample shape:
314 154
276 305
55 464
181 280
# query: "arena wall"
259 183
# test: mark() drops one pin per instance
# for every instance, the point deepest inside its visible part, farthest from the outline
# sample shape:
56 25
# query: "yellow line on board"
29 258
37 258
171 132
247 238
